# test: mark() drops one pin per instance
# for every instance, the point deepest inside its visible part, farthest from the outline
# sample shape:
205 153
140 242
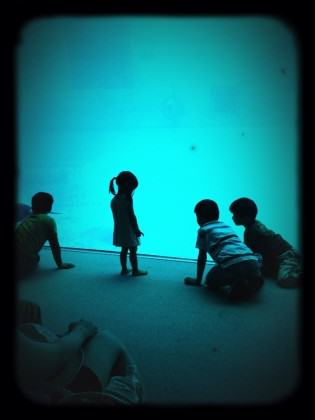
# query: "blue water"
196 107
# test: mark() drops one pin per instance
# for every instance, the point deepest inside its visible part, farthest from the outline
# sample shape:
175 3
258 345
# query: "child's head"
42 202
244 211
126 182
206 211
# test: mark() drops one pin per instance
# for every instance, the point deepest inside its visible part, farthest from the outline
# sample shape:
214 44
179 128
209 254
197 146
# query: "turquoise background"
196 107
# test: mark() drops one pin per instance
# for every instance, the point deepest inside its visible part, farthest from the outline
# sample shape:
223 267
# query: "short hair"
207 209
42 202
244 207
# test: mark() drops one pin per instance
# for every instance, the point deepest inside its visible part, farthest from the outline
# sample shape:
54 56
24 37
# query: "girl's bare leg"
123 260
133 258
134 263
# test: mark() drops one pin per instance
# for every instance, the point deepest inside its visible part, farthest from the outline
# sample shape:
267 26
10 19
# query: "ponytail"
124 181
111 186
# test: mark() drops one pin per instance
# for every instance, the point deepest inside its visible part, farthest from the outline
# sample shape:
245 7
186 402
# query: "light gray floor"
190 346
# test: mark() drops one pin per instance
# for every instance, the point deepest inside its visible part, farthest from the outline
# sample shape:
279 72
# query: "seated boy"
33 231
236 265
280 260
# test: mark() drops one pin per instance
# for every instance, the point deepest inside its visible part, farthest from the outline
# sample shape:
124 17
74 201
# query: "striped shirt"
222 244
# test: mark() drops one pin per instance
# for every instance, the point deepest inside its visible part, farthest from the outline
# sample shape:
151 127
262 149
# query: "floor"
191 347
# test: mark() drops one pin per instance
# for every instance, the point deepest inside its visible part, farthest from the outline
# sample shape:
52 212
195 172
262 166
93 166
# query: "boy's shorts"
243 279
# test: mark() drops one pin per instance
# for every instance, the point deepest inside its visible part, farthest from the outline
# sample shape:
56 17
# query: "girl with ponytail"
126 230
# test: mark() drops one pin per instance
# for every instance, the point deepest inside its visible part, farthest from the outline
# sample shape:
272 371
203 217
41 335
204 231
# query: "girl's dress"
125 222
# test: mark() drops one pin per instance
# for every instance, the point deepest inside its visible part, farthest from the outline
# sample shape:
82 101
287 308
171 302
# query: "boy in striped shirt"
236 266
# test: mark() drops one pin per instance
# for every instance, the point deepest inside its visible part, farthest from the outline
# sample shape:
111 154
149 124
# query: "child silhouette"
126 230
33 231
279 259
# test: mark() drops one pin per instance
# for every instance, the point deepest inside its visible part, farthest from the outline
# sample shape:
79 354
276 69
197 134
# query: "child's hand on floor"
191 281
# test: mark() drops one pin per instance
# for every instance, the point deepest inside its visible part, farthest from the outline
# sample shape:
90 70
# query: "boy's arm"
55 249
201 263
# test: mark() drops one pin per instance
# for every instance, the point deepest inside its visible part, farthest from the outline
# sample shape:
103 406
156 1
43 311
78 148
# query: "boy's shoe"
139 273
125 272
